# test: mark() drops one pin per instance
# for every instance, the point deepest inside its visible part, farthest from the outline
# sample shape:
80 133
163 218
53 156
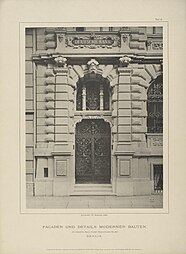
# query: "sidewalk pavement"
153 201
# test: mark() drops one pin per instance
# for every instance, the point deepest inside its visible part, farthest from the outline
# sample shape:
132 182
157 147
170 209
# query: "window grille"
155 106
93 95
158 178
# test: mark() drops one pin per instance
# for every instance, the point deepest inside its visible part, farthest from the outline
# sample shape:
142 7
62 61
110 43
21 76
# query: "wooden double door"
93 151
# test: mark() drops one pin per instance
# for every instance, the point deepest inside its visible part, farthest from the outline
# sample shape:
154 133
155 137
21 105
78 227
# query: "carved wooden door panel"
93 152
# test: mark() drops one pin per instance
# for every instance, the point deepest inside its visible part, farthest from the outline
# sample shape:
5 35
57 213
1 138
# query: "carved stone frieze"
154 140
93 41
154 45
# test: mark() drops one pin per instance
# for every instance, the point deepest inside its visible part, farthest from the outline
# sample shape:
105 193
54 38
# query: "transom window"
155 106
93 95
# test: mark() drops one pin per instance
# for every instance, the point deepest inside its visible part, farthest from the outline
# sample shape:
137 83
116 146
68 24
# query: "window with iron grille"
158 177
93 95
155 106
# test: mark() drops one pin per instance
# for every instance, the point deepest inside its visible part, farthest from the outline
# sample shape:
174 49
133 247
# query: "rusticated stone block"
114 129
114 113
49 73
137 105
136 89
62 96
61 113
124 129
49 121
138 97
124 88
124 120
137 121
29 41
61 120
41 129
50 81
29 127
62 88
124 137
61 137
29 105
28 67
40 89
49 137
124 96
28 80
124 80
139 129
140 113
50 44
29 140
41 113
50 89
62 129
134 44
124 112
49 129
49 105
49 97
40 121
29 153
50 37
62 104
61 79
50 113
138 137
124 105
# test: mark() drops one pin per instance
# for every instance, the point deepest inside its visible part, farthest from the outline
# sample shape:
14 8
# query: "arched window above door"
93 94
155 106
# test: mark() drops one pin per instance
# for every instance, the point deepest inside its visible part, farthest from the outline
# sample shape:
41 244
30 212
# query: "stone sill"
93 113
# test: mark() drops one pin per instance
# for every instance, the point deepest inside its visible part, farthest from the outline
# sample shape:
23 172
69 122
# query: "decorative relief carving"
125 60
93 41
61 168
125 37
92 66
61 37
154 140
61 61
157 141
154 45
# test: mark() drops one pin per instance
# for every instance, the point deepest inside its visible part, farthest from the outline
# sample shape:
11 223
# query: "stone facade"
129 59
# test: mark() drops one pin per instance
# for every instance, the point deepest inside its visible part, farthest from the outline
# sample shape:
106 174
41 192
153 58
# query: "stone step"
92 189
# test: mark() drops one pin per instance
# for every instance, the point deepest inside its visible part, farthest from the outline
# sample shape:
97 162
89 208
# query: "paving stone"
154 201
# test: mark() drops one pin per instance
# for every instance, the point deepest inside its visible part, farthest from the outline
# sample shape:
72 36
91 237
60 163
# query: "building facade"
94 111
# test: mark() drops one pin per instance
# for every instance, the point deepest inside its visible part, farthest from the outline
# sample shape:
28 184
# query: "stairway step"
92 194
92 189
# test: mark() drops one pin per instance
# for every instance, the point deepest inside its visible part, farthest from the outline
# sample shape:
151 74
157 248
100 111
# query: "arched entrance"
93 151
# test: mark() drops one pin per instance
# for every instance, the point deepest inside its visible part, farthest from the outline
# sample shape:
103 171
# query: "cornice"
145 58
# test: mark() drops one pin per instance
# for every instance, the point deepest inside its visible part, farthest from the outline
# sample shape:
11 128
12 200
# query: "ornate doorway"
93 151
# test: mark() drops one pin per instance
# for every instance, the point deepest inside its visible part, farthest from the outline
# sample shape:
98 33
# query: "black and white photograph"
92 127
94 117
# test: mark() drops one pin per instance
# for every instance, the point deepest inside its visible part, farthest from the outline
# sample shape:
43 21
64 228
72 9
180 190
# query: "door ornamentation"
93 151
